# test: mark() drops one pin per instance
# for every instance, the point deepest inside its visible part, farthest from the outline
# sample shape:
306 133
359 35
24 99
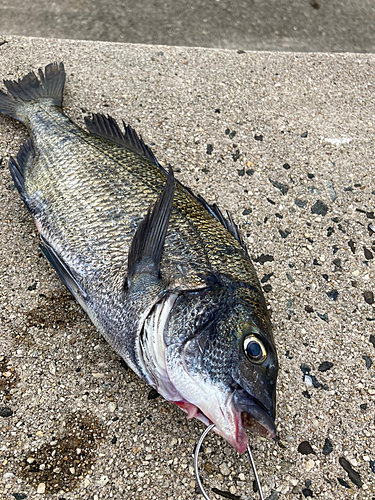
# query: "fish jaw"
209 403
255 416
254 419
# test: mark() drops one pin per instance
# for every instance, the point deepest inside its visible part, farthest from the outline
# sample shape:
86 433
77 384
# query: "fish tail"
29 90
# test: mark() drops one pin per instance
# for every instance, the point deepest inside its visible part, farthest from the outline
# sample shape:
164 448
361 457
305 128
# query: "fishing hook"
197 449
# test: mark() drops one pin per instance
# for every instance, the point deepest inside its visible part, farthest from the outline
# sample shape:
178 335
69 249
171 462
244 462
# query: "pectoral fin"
148 242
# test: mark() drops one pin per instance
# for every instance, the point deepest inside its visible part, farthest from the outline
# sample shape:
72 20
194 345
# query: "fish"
164 276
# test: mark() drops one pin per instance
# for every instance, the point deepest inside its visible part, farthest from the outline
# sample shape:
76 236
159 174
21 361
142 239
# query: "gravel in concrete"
292 157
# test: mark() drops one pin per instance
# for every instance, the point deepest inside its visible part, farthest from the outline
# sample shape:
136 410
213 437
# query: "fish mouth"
254 417
241 411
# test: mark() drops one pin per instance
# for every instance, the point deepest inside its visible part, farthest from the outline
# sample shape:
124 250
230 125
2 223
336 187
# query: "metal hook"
197 449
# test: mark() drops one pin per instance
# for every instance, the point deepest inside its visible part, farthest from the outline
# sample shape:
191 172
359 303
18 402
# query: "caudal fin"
29 90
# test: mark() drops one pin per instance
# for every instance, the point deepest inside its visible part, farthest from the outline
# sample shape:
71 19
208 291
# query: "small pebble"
264 258
325 366
368 253
284 234
224 469
319 208
305 448
111 406
343 483
274 496
282 187
300 203
236 156
327 448
305 368
209 467
324 317
41 488
332 294
369 297
153 394
6 412
309 465
351 245
353 474
368 361
307 492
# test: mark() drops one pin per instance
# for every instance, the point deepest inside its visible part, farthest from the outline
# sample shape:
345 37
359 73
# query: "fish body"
164 276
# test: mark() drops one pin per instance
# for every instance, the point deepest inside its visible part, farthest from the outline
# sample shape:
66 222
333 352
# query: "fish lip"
255 416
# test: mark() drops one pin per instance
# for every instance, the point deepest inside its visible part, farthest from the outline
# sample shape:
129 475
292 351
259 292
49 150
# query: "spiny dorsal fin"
229 224
107 128
214 210
147 246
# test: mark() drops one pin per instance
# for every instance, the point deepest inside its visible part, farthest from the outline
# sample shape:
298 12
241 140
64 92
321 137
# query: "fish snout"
255 416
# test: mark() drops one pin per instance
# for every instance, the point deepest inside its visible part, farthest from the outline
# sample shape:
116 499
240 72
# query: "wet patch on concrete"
8 378
62 463
55 311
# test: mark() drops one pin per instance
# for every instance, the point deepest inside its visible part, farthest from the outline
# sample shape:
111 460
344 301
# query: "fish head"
223 363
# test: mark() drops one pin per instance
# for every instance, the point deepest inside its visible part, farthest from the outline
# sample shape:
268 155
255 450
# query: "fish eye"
254 349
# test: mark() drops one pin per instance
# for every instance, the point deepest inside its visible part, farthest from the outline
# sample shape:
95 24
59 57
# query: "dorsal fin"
107 128
147 246
229 224
214 210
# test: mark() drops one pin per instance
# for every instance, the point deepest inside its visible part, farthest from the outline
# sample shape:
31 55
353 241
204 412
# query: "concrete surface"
280 25
292 158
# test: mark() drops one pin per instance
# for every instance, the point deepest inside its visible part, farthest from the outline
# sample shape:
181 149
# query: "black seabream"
164 276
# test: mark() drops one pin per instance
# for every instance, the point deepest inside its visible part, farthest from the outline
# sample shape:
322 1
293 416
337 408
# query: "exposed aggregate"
286 143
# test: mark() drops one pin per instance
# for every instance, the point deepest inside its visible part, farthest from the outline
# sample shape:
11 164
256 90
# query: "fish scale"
164 276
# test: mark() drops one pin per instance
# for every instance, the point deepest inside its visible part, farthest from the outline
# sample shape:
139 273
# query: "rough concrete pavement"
292 158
